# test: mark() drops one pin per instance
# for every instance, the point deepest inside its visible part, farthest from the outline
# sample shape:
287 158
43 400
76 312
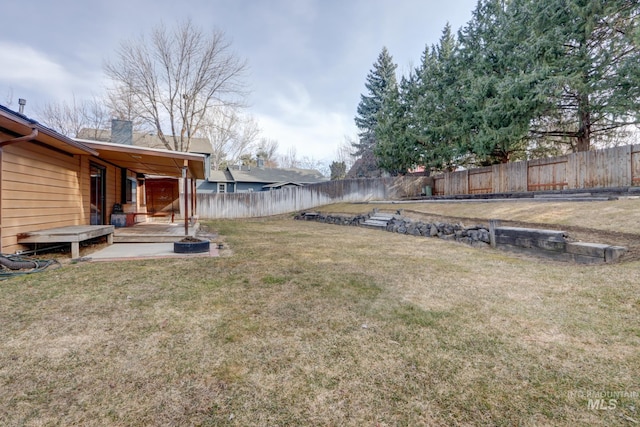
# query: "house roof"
274 175
16 125
281 184
141 139
197 145
220 176
149 161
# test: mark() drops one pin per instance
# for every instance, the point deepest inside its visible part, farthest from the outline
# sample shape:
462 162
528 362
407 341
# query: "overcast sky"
308 59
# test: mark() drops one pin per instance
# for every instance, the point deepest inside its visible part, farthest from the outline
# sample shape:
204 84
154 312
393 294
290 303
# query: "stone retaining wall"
477 235
546 243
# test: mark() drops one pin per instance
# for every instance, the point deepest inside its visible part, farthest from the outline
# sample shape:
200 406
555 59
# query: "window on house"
131 188
222 188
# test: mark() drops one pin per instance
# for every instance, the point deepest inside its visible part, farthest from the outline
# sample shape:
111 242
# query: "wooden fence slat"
548 174
635 165
294 199
480 180
611 167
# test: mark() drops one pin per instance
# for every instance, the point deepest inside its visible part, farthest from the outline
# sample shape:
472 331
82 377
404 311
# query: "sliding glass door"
97 194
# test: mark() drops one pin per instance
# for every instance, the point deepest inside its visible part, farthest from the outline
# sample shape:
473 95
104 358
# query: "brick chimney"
122 132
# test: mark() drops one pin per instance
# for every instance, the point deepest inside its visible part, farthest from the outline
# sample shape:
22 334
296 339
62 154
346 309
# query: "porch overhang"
149 161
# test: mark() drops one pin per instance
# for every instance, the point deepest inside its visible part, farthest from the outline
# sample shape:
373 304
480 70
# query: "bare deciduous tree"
268 151
344 152
289 159
231 135
309 162
8 99
122 103
70 118
171 80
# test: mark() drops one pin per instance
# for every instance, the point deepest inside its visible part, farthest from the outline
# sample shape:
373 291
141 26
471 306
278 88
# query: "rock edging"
546 243
477 235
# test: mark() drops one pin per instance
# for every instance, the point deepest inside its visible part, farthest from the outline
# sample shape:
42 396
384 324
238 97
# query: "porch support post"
186 200
493 223
193 196
75 250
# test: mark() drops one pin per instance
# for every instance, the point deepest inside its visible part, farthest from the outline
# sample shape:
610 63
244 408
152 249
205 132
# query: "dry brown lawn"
302 323
614 222
621 215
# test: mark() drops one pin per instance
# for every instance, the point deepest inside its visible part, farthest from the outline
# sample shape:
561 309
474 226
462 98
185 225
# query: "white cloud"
26 66
309 58
28 70
296 119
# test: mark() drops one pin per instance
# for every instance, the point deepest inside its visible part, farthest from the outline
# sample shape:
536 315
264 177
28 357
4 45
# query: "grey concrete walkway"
122 251
153 232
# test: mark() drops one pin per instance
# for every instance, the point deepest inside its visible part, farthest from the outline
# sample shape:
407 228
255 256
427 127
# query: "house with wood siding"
48 180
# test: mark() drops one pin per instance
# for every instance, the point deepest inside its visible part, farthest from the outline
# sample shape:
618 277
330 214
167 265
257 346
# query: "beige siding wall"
40 189
43 188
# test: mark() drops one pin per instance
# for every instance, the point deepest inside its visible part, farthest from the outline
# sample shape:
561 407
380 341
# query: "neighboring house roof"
220 176
197 145
274 175
141 139
281 184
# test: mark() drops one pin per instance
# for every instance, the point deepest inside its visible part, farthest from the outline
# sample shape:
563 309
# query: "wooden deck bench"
73 234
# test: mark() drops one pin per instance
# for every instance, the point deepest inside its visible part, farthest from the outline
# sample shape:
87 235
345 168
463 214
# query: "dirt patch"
190 239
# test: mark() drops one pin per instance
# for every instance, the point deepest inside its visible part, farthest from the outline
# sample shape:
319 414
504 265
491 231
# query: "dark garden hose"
14 265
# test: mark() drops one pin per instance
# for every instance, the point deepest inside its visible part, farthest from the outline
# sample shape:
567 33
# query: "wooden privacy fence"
611 167
294 199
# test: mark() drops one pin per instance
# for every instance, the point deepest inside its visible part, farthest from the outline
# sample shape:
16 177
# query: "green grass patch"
410 314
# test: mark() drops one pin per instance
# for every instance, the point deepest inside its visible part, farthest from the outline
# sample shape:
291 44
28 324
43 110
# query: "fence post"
493 223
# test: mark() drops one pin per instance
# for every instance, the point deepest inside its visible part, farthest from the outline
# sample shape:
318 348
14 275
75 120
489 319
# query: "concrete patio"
151 240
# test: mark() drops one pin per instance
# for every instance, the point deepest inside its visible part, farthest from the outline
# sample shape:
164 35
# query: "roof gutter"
42 132
30 137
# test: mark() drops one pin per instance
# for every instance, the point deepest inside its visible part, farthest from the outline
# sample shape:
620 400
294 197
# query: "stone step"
378 217
575 199
375 223
562 196
146 238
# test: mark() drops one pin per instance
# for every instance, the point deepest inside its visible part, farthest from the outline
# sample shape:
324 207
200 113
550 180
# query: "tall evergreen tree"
591 52
380 80
437 104
414 124
497 104
338 170
522 78
396 150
